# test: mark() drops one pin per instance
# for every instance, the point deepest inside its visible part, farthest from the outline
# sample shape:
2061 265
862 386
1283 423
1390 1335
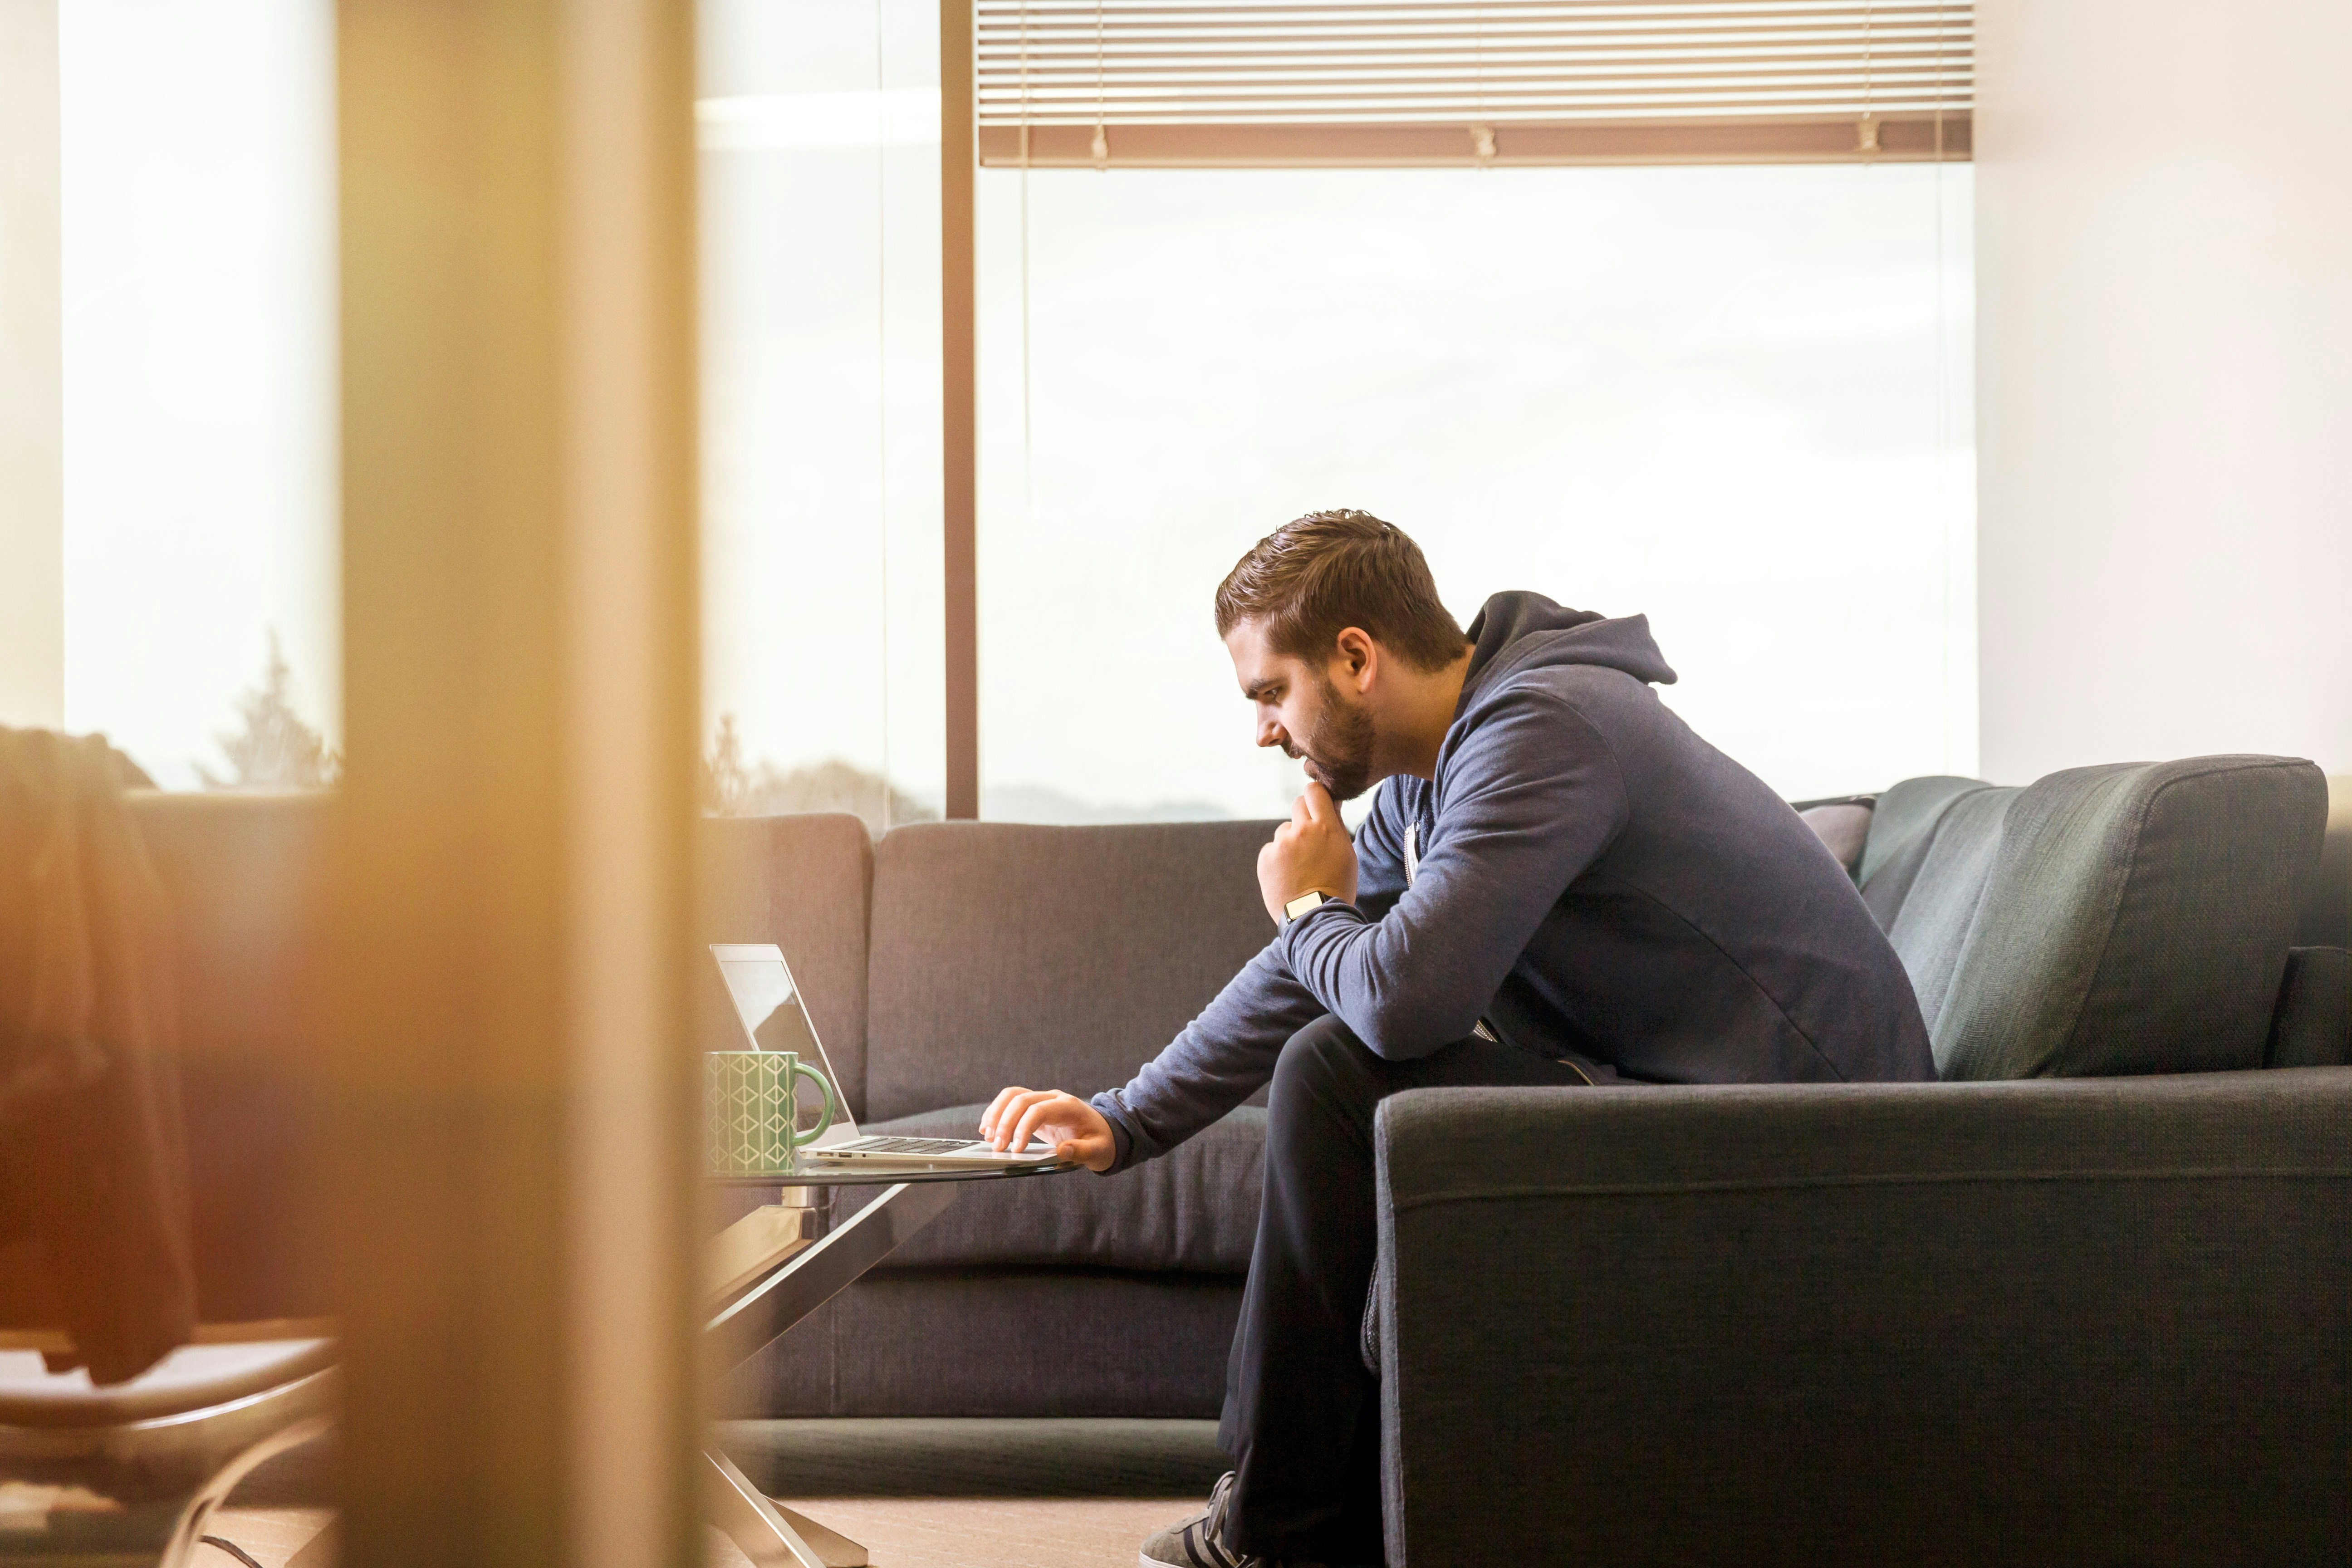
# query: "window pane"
197 152
819 131
1733 399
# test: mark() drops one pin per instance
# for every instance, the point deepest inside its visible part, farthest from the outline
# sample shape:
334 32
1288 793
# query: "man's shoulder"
1571 695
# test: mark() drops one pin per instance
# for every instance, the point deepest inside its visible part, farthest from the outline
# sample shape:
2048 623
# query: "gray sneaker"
1197 1542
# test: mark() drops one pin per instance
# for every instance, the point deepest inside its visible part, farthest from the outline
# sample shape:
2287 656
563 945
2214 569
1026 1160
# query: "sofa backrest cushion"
2327 913
1902 829
1051 957
804 884
2136 919
1844 828
2312 1026
245 876
1947 878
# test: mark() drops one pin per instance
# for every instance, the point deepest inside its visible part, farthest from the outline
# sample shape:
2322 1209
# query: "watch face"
1302 903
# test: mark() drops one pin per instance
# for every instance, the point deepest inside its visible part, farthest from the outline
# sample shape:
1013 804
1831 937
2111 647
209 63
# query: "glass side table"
773 1268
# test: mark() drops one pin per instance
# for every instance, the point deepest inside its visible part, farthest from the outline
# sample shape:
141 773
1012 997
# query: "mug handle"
793 1137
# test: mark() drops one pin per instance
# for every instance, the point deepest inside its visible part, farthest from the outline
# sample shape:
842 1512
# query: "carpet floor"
922 1493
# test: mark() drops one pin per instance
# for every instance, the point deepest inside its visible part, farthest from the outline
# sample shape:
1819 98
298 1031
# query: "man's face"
1301 709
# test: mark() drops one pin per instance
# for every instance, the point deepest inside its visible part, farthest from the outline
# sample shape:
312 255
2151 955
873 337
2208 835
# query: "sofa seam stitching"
1924 1178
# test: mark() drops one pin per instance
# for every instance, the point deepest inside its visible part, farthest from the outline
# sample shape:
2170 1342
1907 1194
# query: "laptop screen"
768 1005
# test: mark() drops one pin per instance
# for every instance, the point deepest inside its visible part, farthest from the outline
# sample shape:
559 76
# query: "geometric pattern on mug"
749 1110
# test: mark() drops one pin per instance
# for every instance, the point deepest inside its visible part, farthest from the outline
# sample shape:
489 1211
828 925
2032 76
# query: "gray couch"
952 958
2089 1300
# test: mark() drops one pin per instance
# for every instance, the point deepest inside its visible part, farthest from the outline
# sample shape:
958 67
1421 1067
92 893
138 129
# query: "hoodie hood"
1518 631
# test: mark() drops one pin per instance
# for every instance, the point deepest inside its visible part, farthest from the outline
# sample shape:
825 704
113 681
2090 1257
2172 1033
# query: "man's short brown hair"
1316 575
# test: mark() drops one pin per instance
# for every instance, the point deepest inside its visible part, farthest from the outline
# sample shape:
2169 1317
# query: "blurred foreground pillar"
511 1171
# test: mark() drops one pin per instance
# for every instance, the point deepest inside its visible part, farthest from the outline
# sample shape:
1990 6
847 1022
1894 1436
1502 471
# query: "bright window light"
1733 399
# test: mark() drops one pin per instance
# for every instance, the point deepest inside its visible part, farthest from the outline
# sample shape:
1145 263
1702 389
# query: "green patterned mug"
751 1117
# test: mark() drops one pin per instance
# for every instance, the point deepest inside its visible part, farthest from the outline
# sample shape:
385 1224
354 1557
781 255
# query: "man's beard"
1339 751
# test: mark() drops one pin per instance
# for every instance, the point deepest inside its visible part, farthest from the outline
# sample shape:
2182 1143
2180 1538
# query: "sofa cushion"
246 874
2312 1027
1947 882
998 1343
1195 1209
2135 920
1901 831
1844 828
2327 913
1060 957
801 882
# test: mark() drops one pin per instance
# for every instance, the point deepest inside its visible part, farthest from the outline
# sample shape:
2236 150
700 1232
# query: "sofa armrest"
2053 1321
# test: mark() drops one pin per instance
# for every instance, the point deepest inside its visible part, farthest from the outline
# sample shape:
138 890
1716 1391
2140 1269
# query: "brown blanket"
94 1225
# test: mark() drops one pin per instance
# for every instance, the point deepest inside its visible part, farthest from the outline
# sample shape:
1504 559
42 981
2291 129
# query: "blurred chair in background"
125 1420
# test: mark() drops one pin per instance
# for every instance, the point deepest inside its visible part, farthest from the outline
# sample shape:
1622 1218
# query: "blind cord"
1866 129
1028 449
882 387
1102 136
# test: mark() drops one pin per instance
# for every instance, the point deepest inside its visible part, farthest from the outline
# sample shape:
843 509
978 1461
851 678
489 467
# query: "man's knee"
1326 1051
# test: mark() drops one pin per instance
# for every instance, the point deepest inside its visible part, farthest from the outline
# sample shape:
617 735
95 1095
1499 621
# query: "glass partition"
818 123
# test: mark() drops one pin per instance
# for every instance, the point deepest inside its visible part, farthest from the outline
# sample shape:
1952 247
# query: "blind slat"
1191 68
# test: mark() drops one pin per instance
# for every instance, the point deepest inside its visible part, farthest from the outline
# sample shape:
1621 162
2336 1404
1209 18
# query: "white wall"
2164 268
32 506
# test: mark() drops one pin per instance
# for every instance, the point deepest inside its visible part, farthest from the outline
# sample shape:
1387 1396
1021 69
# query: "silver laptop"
768 1006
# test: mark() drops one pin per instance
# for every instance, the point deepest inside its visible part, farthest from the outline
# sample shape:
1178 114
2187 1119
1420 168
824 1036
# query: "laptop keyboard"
878 1145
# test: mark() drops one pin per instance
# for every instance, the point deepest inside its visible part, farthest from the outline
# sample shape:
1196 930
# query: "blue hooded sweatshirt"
1585 878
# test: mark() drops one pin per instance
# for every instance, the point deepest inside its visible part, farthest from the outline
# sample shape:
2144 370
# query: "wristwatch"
1314 899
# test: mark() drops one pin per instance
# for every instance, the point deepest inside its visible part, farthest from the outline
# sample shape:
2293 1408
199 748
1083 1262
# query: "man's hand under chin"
1312 851
1078 1132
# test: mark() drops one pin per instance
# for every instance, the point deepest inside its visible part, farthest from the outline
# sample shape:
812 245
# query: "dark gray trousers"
1302 1415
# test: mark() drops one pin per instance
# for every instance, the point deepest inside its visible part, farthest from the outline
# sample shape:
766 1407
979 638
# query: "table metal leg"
807 1275
770 1535
815 1275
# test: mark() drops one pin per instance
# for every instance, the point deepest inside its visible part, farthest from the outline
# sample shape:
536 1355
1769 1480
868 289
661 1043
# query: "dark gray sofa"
996 953
2088 1301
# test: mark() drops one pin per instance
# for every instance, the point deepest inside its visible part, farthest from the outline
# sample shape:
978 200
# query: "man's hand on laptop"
1310 853
1077 1131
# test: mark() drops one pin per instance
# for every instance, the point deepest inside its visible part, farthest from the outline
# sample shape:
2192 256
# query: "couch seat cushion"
1194 1209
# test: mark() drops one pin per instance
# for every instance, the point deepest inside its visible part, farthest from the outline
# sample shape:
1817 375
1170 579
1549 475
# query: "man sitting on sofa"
1560 884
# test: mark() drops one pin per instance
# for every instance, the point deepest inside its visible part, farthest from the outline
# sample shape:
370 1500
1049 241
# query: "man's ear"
1360 655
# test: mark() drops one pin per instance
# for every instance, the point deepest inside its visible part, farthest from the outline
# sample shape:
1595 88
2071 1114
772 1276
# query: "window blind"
1228 83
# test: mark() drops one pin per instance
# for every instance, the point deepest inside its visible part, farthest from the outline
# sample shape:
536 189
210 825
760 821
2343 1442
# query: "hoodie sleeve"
1221 1059
1379 850
1530 799
1226 1053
